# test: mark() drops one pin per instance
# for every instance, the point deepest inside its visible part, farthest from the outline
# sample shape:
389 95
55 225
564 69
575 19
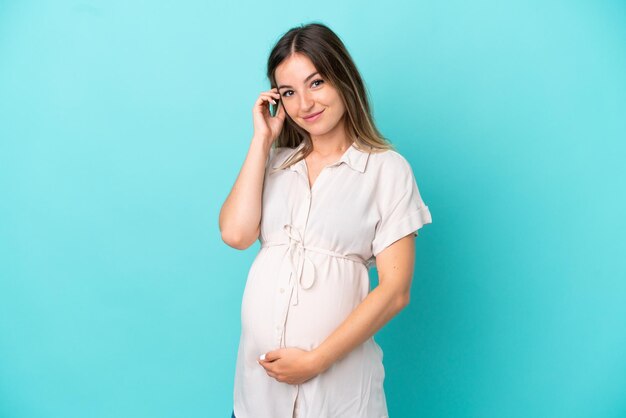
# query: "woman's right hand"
266 126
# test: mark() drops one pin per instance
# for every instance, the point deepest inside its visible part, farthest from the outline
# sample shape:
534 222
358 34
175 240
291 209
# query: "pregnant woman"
327 197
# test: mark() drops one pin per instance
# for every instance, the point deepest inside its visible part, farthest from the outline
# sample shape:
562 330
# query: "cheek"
291 107
338 109
335 103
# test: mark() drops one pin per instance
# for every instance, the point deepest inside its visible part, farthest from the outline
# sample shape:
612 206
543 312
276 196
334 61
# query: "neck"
331 143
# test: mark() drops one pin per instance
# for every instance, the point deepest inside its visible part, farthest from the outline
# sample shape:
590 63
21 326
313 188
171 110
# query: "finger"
273 98
259 105
269 95
272 355
263 98
269 99
273 92
269 369
264 361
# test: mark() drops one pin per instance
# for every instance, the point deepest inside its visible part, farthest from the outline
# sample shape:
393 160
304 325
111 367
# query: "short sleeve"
402 210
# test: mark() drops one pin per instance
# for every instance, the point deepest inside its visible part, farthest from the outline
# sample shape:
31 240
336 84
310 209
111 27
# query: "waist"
318 250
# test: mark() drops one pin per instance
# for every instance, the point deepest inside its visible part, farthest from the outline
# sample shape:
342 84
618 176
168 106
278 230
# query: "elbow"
237 241
402 301
234 241
236 232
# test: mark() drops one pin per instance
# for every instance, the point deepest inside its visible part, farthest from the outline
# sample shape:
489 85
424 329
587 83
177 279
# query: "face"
304 92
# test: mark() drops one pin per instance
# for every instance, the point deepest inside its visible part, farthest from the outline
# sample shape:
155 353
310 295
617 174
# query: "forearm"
380 305
240 215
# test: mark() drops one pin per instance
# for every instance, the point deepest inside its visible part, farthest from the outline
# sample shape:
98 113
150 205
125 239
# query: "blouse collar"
353 157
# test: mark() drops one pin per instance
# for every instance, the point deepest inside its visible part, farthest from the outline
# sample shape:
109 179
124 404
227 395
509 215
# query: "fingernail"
262 357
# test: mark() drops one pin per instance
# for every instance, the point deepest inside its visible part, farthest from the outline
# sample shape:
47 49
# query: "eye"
312 83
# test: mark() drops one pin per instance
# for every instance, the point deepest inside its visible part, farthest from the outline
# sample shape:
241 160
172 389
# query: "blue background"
123 125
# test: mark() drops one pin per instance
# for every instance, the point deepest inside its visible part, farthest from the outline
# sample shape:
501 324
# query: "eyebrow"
305 80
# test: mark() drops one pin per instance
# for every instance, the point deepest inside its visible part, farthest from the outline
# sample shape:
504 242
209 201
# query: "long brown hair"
332 60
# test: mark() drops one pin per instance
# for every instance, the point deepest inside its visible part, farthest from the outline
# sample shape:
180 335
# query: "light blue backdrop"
123 125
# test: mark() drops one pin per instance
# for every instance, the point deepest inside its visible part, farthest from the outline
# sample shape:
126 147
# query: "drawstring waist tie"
303 269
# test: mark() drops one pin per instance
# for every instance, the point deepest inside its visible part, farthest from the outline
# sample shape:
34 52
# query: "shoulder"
389 163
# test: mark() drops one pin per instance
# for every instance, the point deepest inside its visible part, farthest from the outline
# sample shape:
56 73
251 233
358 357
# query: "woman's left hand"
291 365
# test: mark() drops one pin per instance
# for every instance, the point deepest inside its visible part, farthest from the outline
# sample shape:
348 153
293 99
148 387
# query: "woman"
328 197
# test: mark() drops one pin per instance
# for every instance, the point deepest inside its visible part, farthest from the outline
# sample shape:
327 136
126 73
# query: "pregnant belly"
323 308
337 291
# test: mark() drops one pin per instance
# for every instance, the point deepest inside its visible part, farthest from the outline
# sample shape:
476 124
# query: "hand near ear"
266 126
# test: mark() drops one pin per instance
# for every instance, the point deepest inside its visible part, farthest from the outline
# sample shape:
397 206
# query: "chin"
318 132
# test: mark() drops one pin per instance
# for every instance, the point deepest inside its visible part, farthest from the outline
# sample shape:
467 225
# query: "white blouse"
311 272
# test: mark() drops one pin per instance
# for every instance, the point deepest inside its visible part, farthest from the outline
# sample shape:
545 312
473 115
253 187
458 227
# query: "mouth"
313 117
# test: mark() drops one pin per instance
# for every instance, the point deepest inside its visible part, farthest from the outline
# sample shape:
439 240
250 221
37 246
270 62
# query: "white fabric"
311 272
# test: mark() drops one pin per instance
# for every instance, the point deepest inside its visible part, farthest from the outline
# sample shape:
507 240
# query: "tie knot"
293 233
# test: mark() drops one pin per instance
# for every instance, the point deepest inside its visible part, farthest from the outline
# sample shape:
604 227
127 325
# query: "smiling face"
304 92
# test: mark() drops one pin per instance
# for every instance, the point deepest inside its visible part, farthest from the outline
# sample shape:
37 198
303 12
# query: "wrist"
321 359
262 143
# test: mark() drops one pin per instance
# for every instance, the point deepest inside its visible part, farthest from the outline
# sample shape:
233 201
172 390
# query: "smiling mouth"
313 117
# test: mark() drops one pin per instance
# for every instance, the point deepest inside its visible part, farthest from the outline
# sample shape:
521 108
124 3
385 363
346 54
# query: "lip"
314 117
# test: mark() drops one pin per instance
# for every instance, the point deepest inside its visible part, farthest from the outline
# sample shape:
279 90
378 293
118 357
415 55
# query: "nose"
306 102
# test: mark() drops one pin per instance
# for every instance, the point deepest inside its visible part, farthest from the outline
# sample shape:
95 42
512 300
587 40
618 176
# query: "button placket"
302 272
307 269
282 299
